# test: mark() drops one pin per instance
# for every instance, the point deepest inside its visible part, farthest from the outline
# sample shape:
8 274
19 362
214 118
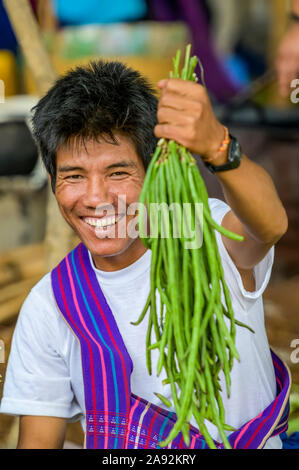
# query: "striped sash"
115 417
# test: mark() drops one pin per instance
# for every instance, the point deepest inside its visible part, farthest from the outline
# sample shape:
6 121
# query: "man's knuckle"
191 134
192 118
165 128
172 83
198 108
161 130
192 123
157 130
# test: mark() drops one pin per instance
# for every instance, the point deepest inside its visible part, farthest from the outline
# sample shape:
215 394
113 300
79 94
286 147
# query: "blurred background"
237 43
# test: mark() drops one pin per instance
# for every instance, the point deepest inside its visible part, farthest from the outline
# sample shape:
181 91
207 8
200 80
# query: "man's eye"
74 177
119 173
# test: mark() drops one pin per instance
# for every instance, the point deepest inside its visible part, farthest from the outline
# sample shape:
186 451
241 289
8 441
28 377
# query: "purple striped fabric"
115 417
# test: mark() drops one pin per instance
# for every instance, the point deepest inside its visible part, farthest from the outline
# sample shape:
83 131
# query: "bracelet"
294 16
223 146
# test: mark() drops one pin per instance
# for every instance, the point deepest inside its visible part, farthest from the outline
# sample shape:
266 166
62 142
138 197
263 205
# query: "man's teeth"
103 222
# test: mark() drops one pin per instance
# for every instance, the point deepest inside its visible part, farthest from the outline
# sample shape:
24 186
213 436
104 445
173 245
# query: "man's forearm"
251 194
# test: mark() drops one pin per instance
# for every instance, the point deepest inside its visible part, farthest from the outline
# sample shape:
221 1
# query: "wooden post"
59 237
278 10
30 39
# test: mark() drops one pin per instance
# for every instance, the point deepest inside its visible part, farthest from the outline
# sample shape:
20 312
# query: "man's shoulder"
43 286
38 317
218 209
40 299
217 204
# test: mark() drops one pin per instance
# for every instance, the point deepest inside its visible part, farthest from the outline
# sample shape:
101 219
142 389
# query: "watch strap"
234 157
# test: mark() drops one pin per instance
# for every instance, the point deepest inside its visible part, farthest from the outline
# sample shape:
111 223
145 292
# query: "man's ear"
50 182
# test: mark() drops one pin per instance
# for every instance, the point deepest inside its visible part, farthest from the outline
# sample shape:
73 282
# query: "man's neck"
120 260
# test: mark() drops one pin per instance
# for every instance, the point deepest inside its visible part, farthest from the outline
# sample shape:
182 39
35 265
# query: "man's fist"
185 115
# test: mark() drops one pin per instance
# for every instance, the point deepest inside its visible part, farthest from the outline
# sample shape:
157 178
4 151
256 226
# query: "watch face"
235 152
238 148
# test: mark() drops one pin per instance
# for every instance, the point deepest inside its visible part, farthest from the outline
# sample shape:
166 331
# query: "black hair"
93 102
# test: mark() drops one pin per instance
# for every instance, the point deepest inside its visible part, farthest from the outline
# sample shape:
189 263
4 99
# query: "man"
95 129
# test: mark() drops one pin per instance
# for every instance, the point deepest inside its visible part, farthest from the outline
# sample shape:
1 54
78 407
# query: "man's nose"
97 192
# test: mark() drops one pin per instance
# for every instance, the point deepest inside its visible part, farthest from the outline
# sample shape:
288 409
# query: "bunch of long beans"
194 342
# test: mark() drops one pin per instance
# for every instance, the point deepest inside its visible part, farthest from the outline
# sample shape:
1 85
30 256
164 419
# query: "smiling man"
75 354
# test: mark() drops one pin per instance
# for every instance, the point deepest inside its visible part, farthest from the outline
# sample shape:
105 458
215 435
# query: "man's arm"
257 213
41 432
185 114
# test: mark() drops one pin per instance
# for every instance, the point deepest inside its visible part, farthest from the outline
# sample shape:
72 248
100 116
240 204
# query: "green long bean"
193 341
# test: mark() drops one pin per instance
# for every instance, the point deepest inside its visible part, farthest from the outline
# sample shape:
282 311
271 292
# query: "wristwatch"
234 157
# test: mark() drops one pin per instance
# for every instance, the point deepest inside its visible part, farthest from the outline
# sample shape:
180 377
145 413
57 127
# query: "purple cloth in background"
192 12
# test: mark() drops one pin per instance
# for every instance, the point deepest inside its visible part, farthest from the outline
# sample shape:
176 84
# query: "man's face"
95 185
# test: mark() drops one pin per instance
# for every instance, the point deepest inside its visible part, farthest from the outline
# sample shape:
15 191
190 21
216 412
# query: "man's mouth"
103 222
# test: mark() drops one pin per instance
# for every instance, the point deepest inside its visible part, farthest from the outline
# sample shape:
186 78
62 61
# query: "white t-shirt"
44 373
